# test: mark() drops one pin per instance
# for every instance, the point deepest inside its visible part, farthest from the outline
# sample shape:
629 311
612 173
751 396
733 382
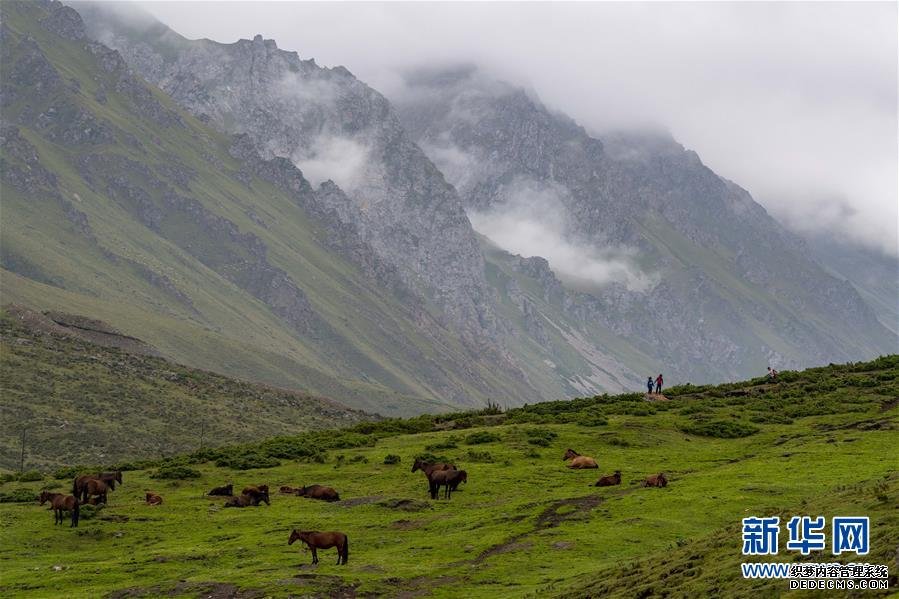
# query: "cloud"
343 160
794 101
532 221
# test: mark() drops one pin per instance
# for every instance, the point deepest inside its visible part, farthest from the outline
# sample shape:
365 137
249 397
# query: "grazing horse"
287 490
579 461
609 480
323 540
248 499
318 492
452 480
153 499
80 482
227 490
255 488
95 487
60 504
656 480
428 467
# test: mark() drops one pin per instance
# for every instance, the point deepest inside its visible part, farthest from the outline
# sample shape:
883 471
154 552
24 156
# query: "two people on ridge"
658 384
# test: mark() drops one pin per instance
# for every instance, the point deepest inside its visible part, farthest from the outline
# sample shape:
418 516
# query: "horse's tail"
76 512
75 486
346 548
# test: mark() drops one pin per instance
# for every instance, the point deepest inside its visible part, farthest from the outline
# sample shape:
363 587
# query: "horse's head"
418 465
570 454
45 496
118 476
294 536
264 497
463 476
301 491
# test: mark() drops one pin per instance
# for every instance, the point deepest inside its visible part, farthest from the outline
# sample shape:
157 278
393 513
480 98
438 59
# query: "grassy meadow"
819 442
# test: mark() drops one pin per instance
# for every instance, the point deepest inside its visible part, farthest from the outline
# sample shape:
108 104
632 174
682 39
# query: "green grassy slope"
820 441
80 403
118 206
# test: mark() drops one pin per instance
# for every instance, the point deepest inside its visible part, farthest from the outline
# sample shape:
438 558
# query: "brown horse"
255 488
610 480
323 540
428 467
656 480
248 499
60 504
95 487
579 461
154 499
452 480
227 490
110 478
318 492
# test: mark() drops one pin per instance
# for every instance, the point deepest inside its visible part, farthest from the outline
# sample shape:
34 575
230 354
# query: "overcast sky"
797 102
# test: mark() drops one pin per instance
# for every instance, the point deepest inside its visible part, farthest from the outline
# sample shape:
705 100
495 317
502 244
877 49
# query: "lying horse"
60 504
153 499
323 540
255 488
80 482
609 480
452 480
579 461
656 480
318 492
227 490
248 499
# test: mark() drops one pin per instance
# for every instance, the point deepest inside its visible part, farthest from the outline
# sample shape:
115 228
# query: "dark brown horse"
255 488
80 482
60 504
323 540
227 490
253 498
656 480
318 492
154 499
452 480
610 480
95 487
428 467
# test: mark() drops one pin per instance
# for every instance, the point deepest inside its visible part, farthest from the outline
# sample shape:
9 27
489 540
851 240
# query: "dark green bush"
391 459
479 456
431 458
30 476
481 437
89 512
450 443
247 461
18 496
592 419
722 429
175 472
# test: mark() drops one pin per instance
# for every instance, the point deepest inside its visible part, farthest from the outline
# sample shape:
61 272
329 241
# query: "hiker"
649 385
772 374
659 382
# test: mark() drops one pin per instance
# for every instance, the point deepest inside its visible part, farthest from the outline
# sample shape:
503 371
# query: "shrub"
431 458
619 442
480 437
30 476
449 443
770 418
540 436
175 472
592 419
88 511
246 461
722 429
18 496
391 459
356 459
479 456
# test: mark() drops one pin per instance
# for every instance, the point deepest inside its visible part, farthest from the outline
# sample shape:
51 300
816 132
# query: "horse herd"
94 488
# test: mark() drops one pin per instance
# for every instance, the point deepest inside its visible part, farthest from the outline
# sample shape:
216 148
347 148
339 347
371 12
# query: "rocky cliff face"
710 284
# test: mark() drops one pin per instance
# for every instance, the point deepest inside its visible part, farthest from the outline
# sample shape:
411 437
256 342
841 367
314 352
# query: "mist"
794 101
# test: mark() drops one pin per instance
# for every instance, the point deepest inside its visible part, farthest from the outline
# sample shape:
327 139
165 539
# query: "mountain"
678 260
120 206
106 397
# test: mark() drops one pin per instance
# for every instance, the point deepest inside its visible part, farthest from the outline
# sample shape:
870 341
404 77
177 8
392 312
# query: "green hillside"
81 403
822 441
120 207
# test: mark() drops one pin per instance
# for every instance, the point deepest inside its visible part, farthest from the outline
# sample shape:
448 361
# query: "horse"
255 488
609 480
248 499
60 504
428 467
656 480
452 480
437 479
227 490
153 499
318 492
579 461
322 540
110 478
287 490
95 487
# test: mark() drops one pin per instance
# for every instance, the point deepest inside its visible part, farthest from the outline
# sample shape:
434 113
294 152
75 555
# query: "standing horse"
428 467
80 482
452 480
579 461
323 540
95 487
60 504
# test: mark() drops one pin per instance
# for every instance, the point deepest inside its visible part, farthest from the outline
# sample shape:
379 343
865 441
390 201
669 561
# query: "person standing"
649 385
659 381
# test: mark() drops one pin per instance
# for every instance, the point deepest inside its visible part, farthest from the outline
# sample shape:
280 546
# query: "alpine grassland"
818 442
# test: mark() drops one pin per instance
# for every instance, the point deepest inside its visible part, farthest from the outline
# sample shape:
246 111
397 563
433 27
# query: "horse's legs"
314 556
